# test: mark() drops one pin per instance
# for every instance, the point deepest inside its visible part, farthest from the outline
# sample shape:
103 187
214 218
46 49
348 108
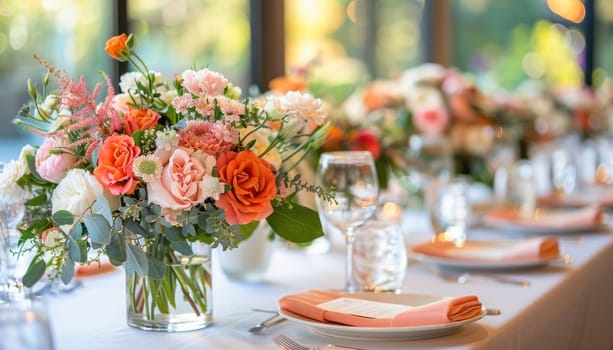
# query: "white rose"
274 108
77 192
128 82
10 191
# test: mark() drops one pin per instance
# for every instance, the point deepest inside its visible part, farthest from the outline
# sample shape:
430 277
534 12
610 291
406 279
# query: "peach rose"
183 183
139 119
253 187
115 158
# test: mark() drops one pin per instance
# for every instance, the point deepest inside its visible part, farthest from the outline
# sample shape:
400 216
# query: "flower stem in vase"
179 301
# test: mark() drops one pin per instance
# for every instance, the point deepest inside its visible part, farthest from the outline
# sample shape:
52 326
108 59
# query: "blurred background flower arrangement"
432 121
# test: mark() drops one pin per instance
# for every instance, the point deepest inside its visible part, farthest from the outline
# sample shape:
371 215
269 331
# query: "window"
506 42
65 33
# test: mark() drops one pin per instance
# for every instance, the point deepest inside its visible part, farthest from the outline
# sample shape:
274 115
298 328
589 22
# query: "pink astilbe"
88 121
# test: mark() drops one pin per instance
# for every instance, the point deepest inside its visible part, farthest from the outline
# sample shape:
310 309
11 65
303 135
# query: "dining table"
568 303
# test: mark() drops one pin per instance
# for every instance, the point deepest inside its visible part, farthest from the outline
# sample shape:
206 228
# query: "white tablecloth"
566 306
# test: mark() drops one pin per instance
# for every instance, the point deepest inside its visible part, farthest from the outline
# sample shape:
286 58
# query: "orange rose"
139 119
115 158
118 47
253 187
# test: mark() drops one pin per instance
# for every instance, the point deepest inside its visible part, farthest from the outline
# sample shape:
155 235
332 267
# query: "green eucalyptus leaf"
172 233
101 206
98 228
182 247
67 270
188 230
77 231
77 249
136 260
296 223
62 217
135 228
116 250
35 271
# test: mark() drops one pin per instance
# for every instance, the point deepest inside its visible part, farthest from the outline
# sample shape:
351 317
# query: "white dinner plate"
481 255
482 265
535 226
383 333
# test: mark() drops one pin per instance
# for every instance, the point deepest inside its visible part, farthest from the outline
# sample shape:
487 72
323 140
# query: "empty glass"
450 211
519 189
24 325
350 177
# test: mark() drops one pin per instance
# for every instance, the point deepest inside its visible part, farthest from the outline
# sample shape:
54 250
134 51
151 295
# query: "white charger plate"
383 333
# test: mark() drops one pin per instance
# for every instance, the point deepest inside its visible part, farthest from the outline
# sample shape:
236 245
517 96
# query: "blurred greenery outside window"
344 42
506 42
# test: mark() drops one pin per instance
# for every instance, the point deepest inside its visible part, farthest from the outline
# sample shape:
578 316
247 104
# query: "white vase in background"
249 262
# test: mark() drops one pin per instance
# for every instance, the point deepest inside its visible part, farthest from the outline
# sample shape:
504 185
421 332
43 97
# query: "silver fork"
288 344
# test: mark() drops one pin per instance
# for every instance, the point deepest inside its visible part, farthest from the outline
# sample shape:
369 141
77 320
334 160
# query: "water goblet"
11 213
350 177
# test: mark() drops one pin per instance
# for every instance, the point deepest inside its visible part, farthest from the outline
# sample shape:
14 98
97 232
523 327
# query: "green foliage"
294 222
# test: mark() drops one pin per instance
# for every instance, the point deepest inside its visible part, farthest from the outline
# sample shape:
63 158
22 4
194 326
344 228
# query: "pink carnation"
51 164
182 103
204 82
232 109
431 119
209 137
204 106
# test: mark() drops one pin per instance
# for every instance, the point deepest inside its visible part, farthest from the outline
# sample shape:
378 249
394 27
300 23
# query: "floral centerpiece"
147 175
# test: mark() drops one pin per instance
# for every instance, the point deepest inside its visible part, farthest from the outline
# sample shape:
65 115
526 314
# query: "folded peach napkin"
348 309
531 249
93 269
545 218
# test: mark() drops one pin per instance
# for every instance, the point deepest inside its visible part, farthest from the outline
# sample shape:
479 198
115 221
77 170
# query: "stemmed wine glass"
11 213
350 177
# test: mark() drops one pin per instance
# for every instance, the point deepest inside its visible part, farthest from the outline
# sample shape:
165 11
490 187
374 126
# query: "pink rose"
51 162
183 183
431 119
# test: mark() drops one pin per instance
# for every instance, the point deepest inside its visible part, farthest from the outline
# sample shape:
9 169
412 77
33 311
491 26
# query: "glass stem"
351 285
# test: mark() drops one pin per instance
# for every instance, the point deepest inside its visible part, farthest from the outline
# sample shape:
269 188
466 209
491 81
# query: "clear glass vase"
180 301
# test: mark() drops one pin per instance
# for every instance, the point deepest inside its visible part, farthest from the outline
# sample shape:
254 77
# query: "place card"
364 308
